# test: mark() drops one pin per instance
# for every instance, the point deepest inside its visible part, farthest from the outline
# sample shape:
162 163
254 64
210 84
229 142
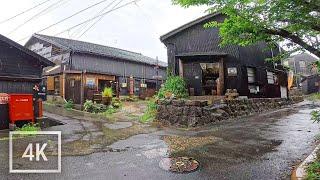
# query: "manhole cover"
179 164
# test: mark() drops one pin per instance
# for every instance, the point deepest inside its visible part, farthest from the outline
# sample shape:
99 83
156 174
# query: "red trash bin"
21 108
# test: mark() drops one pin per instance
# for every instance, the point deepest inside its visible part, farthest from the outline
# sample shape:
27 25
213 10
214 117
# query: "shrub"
116 103
110 110
150 112
107 92
174 85
69 104
92 107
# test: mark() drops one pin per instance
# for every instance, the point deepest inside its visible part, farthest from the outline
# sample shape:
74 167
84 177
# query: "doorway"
210 75
103 84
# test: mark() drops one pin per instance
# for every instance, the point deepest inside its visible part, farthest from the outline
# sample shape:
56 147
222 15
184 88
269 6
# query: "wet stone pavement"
265 146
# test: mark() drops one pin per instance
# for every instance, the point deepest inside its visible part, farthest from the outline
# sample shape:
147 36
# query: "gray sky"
134 27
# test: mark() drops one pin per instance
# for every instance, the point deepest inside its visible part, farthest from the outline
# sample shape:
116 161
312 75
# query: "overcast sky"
134 27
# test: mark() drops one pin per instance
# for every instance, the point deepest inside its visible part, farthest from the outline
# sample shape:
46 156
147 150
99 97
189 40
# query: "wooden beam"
220 88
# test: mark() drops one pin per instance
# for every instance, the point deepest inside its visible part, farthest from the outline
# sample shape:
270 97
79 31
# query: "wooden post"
131 88
82 89
63 87
180 68
220 88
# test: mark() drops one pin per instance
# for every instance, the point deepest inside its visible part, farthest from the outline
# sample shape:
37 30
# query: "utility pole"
157 73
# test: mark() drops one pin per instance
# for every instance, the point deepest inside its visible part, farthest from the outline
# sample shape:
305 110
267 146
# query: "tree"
296 23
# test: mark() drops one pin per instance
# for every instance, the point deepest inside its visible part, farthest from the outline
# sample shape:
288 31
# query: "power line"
91 19
64 19
95 17
36 16
101 16
77 32
23 12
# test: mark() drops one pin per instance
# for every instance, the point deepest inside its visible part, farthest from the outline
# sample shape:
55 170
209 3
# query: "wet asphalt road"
259 147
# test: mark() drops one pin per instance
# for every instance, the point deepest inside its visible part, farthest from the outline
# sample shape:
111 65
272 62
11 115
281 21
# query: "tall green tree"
296 23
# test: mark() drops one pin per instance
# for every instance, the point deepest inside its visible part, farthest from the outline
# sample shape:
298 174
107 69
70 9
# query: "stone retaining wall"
192 113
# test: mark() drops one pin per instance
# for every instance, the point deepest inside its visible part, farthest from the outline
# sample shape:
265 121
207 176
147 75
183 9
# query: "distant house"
194 54
310 84
83 69
301 66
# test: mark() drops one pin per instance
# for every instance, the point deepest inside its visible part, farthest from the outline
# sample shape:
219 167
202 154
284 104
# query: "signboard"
232 71
131 82
91 82
4 98
143 85
40 92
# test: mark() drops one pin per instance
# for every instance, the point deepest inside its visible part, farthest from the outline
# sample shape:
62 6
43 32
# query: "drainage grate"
179 164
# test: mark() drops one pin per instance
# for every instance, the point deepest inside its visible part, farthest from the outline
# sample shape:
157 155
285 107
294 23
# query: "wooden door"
73 90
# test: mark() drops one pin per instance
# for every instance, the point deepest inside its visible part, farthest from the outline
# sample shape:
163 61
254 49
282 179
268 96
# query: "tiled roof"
86 47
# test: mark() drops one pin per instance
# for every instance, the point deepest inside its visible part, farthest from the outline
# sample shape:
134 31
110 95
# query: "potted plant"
107 95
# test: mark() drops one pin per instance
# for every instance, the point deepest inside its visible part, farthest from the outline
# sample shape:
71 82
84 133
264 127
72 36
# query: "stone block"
178 102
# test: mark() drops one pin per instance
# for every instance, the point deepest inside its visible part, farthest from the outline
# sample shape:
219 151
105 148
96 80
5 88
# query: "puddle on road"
47 122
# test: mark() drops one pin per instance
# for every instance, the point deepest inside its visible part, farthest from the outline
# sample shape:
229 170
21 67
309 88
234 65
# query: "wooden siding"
15 63
115 67
16 87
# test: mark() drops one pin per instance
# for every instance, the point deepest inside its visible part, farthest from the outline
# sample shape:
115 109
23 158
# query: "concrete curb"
300 172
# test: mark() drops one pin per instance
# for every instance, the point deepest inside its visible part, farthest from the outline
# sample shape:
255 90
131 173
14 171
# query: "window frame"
253 74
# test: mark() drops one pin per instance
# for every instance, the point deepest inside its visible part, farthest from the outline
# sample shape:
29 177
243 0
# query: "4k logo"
35 152
28 153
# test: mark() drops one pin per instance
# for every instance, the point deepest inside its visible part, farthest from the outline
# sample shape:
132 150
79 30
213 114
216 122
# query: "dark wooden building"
20 68
83 69
20 72
194 53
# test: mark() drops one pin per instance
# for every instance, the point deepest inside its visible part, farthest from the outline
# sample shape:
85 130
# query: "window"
302 64
272 78
251 75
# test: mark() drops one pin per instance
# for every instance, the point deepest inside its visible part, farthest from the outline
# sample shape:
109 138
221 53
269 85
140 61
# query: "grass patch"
29 127
314 97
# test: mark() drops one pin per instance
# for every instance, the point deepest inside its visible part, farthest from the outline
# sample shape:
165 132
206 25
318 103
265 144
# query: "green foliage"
69 104
150 113
92 107
175 85
107 92
110 110
29 127
116 103
252 21
313 170
314 97
315 116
